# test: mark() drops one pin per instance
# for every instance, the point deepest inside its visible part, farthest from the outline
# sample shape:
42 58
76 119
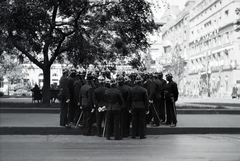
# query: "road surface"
154 148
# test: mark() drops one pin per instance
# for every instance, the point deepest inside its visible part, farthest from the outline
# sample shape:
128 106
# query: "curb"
149 131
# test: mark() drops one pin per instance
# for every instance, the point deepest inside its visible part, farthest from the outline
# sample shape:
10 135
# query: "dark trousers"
113 119
171 117
162 110
124 124
100 116
87 121
138 122
155 112
72 110
63 111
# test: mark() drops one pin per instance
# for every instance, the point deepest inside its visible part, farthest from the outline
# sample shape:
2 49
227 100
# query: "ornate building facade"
214 48
205 33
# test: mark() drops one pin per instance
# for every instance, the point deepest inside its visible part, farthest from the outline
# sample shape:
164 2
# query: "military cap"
101 79
138 79
169 75
64 71
113 81
127 79
89 77
107 81
120 78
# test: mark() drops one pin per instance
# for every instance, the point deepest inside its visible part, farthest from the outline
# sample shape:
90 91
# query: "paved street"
154 148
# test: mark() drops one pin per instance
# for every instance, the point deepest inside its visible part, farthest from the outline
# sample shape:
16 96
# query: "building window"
227 37
226 12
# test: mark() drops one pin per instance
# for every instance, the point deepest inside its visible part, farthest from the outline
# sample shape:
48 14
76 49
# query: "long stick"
104 128
156 112
78 120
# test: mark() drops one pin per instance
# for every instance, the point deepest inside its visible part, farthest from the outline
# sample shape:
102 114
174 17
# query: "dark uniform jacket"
77 88
86 96
138 98
155 90
147 85
99 96
63 84
125 90
171 91
164 83
71 86
114 99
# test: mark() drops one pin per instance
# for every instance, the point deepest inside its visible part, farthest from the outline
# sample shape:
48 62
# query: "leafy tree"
81 31
11 68
178 63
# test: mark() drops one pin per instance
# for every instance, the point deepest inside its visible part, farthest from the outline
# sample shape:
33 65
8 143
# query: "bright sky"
180 3
158 13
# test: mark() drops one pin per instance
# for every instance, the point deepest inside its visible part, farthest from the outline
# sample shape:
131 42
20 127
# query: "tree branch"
20 48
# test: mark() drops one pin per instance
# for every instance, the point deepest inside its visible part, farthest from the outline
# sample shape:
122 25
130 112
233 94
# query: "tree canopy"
81 31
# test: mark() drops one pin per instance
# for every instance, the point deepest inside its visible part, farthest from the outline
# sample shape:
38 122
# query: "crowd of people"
114 105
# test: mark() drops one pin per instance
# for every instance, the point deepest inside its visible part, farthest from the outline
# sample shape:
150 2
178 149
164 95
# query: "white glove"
68 100
150 101
104 108
92 110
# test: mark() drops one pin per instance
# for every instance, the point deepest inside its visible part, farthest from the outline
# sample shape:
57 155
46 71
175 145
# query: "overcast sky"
159 13
180 3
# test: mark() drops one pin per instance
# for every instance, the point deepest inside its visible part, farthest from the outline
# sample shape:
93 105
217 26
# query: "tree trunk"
46 85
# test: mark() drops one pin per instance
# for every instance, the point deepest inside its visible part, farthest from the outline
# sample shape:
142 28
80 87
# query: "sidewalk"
48 124
45 121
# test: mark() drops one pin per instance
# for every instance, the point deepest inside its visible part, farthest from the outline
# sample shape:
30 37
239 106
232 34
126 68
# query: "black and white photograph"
120 80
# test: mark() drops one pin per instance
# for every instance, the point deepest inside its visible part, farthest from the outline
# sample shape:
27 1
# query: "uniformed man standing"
64 98
87 106
124 121
77 88
100 104
114 101
171 96
71 108
154 99
162 110
138 103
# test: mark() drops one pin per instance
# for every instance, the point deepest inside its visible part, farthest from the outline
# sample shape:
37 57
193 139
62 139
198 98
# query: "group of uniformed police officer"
113 105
